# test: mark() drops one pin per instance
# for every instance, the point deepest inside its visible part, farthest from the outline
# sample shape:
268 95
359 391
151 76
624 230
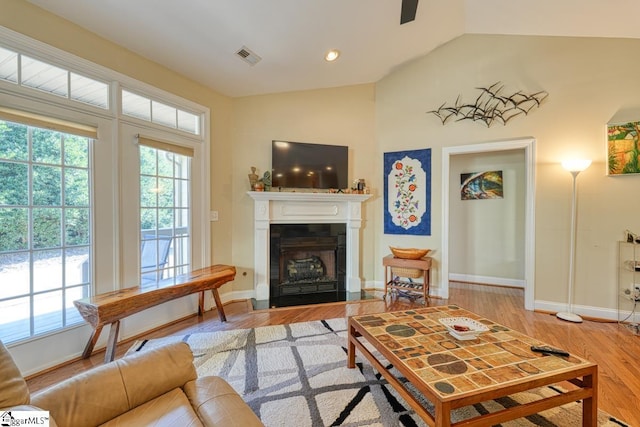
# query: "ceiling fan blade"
408 12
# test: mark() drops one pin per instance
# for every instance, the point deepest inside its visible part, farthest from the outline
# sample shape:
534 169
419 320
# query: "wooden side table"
398 273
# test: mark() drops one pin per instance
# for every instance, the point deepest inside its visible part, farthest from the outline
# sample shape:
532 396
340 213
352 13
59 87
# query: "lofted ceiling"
199 38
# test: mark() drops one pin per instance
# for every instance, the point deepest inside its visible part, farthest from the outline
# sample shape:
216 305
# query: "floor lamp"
574 167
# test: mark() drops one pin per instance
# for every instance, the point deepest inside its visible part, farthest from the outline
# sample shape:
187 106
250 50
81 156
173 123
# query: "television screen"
303 165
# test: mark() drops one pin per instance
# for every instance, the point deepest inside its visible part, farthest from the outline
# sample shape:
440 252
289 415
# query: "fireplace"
306 212
307 263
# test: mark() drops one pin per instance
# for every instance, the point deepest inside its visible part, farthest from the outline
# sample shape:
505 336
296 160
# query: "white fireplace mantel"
272 207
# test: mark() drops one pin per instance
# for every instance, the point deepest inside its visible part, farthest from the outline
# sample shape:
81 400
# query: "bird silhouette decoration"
491 106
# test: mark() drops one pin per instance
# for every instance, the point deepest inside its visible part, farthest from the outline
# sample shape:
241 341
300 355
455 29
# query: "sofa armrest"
218 404
103 393
13 387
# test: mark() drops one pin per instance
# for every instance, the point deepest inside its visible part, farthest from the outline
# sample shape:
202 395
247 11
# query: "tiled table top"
451 367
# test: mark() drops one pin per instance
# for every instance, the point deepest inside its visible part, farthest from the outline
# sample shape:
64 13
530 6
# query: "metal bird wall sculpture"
491 106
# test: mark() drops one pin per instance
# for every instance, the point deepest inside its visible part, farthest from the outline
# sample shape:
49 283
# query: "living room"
591 81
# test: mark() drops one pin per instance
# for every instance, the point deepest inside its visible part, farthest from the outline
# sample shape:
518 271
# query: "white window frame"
110 201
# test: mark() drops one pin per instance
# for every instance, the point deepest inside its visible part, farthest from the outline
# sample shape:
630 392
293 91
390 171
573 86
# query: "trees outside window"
45 228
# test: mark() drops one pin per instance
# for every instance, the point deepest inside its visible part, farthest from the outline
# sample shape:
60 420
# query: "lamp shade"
576 165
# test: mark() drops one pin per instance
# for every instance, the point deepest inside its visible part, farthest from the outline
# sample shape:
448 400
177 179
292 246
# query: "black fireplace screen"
307 259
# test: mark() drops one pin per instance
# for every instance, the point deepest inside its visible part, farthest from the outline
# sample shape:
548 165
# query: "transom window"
45 228
149 110
35 74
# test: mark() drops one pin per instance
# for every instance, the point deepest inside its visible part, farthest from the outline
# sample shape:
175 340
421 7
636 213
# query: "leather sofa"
156 387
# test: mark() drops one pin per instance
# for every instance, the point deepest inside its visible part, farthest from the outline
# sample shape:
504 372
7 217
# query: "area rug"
297 375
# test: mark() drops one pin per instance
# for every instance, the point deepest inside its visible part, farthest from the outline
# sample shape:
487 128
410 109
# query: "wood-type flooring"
615 349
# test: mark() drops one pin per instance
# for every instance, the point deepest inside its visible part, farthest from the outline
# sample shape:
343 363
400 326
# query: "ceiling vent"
248 56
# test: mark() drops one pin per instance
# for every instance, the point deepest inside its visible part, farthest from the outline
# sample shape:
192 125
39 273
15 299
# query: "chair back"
154 255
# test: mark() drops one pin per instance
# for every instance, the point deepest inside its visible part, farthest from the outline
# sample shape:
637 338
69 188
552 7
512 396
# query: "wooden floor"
612 347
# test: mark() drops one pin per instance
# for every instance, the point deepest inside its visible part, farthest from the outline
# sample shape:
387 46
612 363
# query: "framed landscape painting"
407 192
623 151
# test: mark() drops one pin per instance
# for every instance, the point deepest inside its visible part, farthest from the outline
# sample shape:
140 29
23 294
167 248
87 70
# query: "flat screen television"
304 165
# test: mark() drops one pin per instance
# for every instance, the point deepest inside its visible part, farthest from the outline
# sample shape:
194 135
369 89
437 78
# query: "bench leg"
88 349
201 303
113 341
216 297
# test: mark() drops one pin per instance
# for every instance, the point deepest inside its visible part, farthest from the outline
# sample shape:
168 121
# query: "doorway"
528 147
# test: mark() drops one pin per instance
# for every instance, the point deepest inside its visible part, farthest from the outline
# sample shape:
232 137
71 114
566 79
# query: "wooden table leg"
590 404
351 349
442 414
112 342
216 297
88 349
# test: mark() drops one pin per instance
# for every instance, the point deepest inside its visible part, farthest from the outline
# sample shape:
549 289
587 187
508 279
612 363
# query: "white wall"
589 82
486 237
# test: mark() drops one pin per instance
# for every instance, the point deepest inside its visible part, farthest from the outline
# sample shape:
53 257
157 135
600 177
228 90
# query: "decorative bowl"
463 328
408 253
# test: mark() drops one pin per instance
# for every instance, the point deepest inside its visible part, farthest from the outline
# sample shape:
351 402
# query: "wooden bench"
111 307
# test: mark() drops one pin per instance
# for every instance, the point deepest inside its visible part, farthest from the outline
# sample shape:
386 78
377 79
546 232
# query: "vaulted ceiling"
200 38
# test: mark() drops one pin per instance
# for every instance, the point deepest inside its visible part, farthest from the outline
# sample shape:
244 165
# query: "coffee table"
453 373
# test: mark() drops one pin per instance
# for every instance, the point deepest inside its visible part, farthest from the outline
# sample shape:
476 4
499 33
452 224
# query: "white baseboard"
539 305
487 280
582 310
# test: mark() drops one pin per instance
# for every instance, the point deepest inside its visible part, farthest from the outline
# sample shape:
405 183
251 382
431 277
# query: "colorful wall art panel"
407 192
623 148
481 185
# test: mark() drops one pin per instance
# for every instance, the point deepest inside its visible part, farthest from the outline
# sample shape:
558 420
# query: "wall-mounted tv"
304 165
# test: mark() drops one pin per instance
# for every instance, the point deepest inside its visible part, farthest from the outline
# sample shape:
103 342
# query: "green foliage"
39 154
14 230
612 159
13 141
632 165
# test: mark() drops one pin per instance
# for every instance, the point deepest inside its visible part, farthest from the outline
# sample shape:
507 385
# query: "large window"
85 208
45 228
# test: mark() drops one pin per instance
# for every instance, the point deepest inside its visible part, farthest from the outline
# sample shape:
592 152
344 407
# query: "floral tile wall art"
622 148
481 185
407 192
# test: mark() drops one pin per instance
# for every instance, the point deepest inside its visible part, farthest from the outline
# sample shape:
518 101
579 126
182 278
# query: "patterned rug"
297 375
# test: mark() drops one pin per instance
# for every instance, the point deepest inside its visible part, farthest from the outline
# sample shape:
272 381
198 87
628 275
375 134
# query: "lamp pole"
574 167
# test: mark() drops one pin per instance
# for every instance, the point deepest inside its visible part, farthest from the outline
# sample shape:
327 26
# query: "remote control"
549 350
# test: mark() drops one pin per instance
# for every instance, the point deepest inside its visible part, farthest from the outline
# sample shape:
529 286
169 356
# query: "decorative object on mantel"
407 192
492 105
259 184
266 181
253 178
409 253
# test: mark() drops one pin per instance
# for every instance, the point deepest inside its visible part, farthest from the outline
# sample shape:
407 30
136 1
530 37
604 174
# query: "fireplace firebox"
307 263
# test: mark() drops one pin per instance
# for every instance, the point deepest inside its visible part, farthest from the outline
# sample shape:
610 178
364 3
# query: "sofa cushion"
151 373
218 404
104 393
171 409
13 389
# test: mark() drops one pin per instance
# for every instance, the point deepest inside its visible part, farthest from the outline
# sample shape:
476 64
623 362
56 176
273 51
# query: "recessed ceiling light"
332 55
